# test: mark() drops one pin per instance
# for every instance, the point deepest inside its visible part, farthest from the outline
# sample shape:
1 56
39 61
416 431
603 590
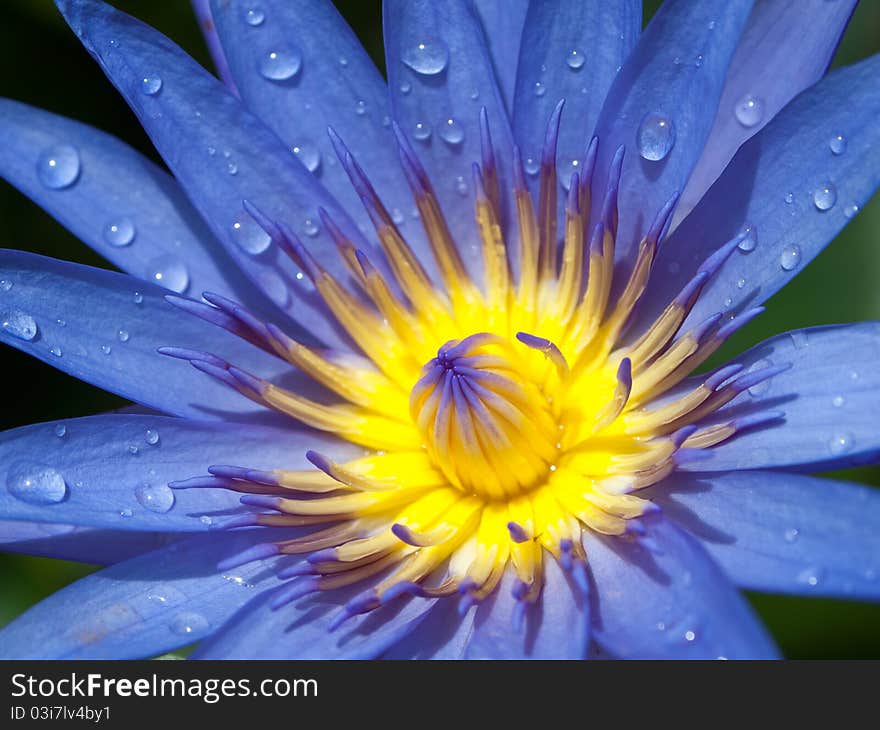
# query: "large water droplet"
155 497
280 65
60 430
749 240
575 59
532 166
428 57
249 236
825 196
790 257
119 232
838 144
35 483
451 131
308 154
19 324
841 443
656 136
170 272
749 110
151 85
254 16
151 436
422 131
58 166
189 623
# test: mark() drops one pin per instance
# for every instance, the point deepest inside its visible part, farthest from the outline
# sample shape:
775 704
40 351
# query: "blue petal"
220 154
786 47
142 607
782 533
570 50
830 399
337 85
115 479
677 71
79 544
503 24
104 328
557 627
303 630
670 601
202 10
465 84
792 157
442 635
117 185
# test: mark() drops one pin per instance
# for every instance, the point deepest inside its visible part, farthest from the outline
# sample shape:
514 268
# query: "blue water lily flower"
415 360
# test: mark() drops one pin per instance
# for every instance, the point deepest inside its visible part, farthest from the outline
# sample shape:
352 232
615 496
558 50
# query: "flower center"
487 426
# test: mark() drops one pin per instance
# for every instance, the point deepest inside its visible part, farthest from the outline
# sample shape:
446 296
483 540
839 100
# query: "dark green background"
43 64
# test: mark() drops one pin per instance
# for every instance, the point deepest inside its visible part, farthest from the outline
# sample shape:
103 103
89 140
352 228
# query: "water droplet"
280 65
428 58
422 131
254 16
58 166
791 534
727 302
205 520
405 87
759 388
451 132
249 236
19 324
55 350
133 449
790 257
540 89
151 85
397 216
698 61
838 401
461 185
690 635
799 339
343 61
170 272
841 443
532 166
851 210
232 168
212 151
310 228
155 497
35 483
123 336
61 322
125 513
749 240
189 623
106 349
119 232
60 430
308 154
138 298
810 576
838 144
749 110
789 198
740 283
151 436
656 136
5 285
825 196
575 59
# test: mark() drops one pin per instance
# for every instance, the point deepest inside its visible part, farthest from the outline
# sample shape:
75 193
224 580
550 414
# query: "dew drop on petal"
838 401
5 285
749 110
532 166
249 235
575 59
451 131
461 185
422 131
125 513
790 257
36 483
825 196
851 210
106 349
360 108
308 154
310 227
155 497
791 534
540 89
58 166
428 57
119 232
655 137
811 576
151 436
151 85
60 430
189 623
405 87
789 198
19 324
838 144
280 65
840 443
138 298
254 16
123 335
55 350
170 272
740 283
749 240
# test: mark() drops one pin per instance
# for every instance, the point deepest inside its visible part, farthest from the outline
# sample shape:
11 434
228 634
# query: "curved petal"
670 601
570 50
337 85
787 46
79 544
503 27
202 10
782 533
676 71
830 399
115 477
789 160
221 155
557 627
442 635
449 101
143 607
121 204
304 630
104 328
